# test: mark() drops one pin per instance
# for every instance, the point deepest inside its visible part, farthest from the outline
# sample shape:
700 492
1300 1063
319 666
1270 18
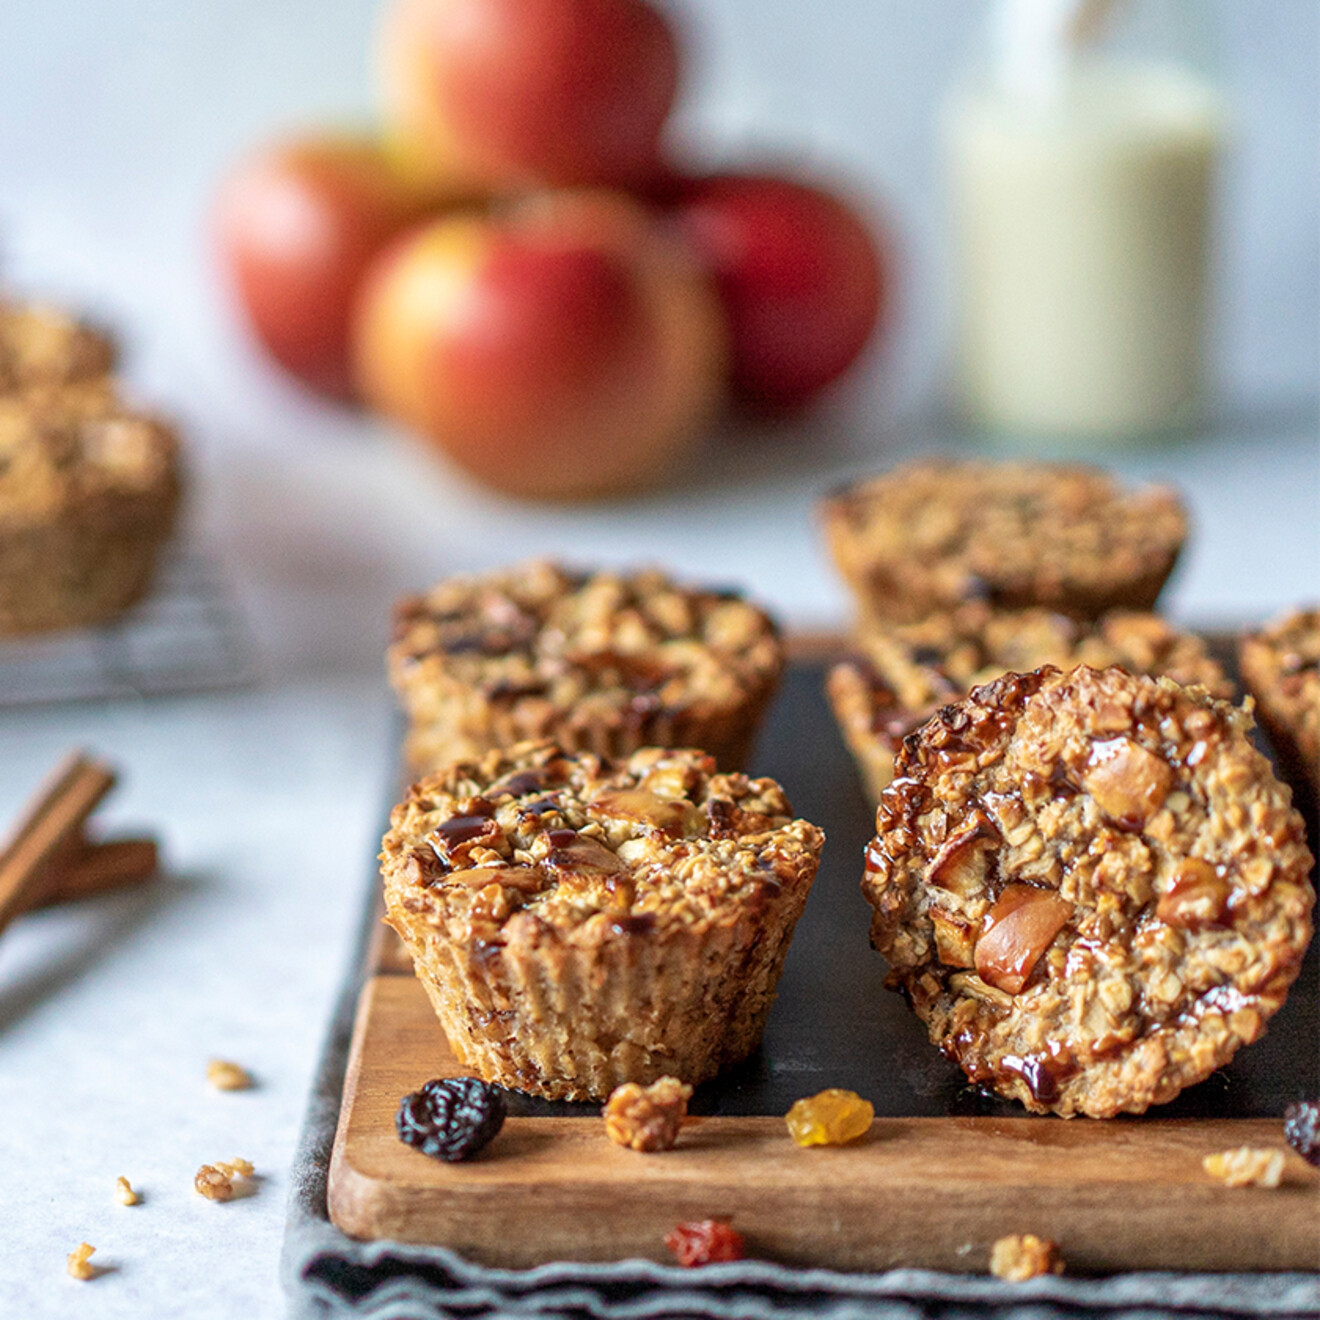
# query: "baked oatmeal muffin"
1281 668
1089 886
41 345
928 536
607 662
89 490
580 922
903 673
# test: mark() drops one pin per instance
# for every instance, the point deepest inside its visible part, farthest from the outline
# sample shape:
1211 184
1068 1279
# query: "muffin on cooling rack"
1281 668
580 922
40 345
606 662
1090 887
89 490
931 535
901 674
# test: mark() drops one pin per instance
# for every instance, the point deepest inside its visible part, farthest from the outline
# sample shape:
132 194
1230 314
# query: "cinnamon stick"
99 868
50 828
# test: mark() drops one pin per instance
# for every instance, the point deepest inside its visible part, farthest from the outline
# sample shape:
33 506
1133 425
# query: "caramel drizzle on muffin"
540 629
1090 886
661 835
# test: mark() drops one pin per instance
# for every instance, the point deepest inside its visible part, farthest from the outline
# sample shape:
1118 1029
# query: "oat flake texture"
1090 886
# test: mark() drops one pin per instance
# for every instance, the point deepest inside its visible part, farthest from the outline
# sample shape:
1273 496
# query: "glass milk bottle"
1082 169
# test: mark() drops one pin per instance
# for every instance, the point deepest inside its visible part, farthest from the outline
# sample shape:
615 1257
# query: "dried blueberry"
1301 1128
451 1119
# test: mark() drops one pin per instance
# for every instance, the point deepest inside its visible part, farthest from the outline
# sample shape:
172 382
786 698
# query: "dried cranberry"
451 1119
1301 1128
704 1242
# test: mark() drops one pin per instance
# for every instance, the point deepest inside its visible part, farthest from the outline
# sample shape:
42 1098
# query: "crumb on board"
80 1262
1022 1256
227 1076
216 1181
647 1118
1247 1166
124 1192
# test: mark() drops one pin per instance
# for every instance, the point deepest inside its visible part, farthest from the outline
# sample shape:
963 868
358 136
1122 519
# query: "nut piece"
1022 1256
216 1181
226 1076
79 1262
647 1117
124 1192
1247 1166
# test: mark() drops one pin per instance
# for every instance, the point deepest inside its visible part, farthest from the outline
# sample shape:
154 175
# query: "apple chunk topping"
1196 896
665 815
525 879
960 865
579 854
1015 934
1129 784
954 941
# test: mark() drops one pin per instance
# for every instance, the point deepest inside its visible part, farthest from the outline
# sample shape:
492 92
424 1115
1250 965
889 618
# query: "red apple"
566 348
297 224
800 276
512 94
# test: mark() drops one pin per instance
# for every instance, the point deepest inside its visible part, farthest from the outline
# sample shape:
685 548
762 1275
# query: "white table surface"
267 801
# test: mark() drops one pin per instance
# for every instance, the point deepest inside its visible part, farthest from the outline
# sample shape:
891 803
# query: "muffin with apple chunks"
89 494
1090 886
1281 667
580 922
44 346
931 535
607 662
901 674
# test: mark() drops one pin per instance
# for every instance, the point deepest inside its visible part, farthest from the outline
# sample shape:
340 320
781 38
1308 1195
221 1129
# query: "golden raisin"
830 1118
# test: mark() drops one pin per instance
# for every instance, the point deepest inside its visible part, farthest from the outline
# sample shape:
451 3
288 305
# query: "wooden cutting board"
932 1192
942 1174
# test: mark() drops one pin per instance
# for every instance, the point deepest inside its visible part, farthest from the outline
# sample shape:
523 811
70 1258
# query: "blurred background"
118 123
120 120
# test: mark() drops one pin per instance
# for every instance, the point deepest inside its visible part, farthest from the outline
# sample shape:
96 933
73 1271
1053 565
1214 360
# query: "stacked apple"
516 272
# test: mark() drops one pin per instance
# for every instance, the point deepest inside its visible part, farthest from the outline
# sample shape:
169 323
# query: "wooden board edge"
907 1221
349 1195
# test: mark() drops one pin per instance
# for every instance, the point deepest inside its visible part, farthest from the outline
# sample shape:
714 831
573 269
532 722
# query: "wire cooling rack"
186 636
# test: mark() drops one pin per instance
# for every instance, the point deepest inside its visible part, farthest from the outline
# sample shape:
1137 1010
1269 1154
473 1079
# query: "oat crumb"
124 1192
227 1076
1247 1166
79 1263
216 1181
1022 1256
647 1118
